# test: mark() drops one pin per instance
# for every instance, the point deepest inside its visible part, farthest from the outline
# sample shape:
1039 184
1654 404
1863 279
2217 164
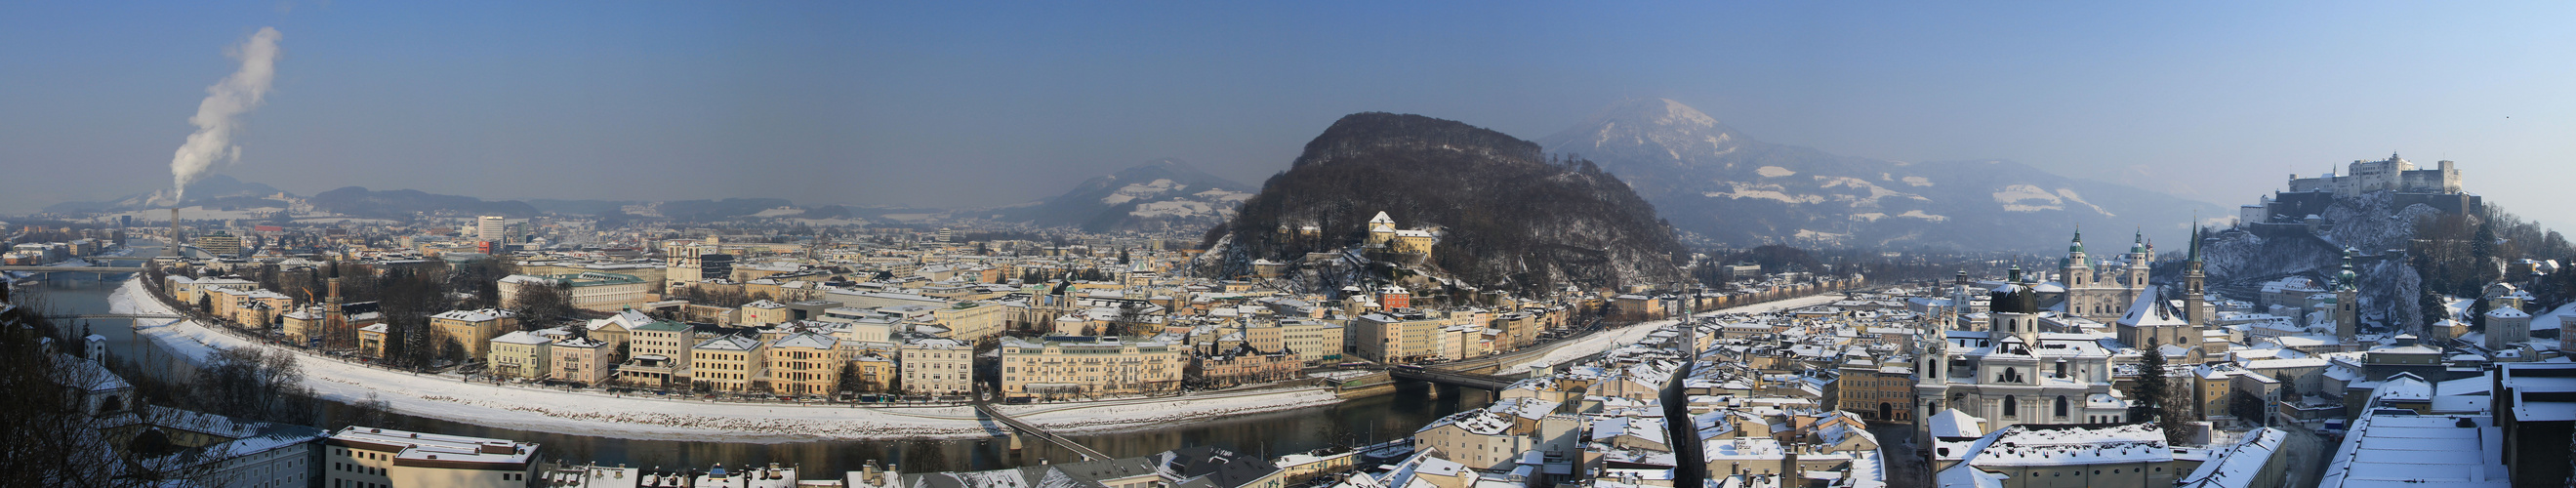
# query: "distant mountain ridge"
1160 195
212 190
1505 216
1736 191
223 191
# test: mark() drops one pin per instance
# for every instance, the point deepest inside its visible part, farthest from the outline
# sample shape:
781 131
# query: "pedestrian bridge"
73 269
1479 381
1032 429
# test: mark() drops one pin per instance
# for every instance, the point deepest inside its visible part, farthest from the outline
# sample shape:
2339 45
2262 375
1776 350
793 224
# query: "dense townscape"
2121 369
911 245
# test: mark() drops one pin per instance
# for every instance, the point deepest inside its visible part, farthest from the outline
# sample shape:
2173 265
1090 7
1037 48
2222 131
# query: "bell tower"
2194 297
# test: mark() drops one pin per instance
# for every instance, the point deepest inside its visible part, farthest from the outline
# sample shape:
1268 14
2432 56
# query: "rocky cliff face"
1733 190
2240 261
1506 216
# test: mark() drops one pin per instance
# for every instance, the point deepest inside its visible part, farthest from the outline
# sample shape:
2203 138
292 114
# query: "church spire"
2194 255
2347 279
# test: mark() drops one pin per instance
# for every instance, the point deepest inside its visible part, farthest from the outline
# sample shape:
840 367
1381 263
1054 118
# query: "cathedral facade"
2102 291
2011 373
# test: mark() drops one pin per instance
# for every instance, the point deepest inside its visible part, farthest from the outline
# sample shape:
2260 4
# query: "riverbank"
658 418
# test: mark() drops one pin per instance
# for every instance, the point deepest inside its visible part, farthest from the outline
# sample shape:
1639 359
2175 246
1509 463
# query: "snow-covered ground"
1605 340
600 414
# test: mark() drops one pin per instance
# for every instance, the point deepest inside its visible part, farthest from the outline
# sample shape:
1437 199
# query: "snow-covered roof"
2029 445
2236 466
1954 423
483 315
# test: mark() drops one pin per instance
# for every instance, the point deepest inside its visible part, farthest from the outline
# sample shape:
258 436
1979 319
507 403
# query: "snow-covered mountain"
1162 195
1733 190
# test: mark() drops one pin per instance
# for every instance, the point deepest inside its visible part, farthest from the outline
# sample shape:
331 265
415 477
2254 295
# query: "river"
1356 422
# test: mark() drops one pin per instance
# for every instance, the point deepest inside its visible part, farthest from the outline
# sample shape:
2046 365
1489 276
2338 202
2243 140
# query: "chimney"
174 232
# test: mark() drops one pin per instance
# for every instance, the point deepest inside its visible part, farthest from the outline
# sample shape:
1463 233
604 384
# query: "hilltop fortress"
2408 184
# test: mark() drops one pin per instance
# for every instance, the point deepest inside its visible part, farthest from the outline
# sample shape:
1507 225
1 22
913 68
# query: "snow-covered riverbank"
600 414
1605 340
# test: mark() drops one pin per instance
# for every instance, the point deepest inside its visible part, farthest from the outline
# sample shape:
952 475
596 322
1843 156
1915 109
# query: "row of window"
2096 472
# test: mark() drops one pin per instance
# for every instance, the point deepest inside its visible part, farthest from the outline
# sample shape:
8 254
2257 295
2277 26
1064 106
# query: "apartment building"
579 360
657 355
520 355
1078 366
805 363
366 457
728 363
471 331
937 366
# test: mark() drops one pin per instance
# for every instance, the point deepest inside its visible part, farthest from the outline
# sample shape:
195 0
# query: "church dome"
2013 296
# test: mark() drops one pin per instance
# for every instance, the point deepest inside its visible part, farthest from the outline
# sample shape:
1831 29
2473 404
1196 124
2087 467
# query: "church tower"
2078 271
336 332
2194 298
1931 358
2138 260
2347 301
2014 309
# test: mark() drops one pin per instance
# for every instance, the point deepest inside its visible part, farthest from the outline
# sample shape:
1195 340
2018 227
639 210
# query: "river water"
1356 422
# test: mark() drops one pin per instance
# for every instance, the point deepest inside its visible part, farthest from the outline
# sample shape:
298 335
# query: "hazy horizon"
988 105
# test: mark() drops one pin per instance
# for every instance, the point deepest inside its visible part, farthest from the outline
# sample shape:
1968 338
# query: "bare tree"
541 306
253 383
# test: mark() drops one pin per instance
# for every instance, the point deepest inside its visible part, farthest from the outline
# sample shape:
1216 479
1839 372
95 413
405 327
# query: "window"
2012 407
2061 405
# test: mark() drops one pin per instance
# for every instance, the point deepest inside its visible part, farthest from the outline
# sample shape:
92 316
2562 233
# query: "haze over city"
984 105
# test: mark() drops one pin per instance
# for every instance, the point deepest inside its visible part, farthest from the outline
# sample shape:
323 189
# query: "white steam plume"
225 102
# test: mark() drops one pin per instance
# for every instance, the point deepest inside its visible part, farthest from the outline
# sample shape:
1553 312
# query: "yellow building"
614 330
604 292
657 355
1396 337
876 371
728 363
972 321
762 312
471 331
1314 341
519 355
805 363
1084 367
1382 233
302 325
937 367
371 341
365 456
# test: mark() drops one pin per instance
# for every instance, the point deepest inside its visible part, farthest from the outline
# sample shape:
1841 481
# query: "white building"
2012 373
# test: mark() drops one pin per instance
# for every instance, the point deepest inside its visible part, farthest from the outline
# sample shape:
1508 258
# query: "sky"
955 104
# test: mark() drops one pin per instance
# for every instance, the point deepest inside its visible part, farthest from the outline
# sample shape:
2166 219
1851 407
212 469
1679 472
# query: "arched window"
2061 405
2012 407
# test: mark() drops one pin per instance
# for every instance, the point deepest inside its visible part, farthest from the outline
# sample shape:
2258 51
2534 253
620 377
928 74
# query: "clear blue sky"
967 104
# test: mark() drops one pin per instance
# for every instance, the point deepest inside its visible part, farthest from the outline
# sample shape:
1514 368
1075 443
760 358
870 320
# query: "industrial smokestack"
174 232
225 102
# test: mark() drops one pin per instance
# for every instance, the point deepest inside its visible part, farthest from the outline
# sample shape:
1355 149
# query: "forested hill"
1508 217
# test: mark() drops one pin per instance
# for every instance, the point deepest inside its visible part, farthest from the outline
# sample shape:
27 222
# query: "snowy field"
1605 340
600 414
